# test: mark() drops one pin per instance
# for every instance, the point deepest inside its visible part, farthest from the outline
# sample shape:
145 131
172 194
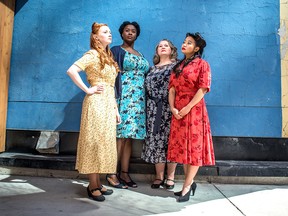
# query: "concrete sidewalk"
26 195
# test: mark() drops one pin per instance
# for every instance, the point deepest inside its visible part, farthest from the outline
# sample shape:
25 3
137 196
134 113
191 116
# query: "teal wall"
243 51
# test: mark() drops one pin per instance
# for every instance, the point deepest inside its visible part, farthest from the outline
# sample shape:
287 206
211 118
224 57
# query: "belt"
159 104
102 83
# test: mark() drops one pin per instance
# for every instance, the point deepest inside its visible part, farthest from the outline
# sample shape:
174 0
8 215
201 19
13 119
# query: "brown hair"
173 56
105 55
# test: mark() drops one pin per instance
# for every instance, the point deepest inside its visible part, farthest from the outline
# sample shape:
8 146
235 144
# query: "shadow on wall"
20 4
25 141
70 126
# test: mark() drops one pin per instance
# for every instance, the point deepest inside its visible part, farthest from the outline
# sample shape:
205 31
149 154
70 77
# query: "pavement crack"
229 200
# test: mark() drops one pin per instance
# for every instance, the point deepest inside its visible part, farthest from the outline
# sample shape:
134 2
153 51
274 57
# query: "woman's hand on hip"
98 89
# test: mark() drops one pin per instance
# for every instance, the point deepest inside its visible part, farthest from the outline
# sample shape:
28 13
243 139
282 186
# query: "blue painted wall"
243 51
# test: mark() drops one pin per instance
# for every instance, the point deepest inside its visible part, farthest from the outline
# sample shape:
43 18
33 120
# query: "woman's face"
189 46
129 33
104 36
164 48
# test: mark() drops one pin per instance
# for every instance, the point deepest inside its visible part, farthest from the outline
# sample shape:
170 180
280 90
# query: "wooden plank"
7 8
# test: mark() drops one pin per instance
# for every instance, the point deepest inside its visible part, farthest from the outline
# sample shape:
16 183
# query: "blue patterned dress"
132 101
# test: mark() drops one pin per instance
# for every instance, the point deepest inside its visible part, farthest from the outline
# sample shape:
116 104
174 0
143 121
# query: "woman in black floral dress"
159 114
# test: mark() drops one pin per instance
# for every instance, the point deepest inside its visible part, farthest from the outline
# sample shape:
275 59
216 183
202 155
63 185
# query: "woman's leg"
185 168
159 178
112 178
125 157
120 148
94 182
171 167
94 188
125 161
191 172
160 168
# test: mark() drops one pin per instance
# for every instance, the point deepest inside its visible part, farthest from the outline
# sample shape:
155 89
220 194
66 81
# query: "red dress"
190 140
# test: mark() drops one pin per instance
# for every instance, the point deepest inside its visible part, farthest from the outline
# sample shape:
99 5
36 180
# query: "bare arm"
73 72
118 117
196 99
171 99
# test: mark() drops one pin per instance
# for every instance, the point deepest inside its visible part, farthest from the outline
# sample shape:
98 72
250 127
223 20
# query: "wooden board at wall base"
7 8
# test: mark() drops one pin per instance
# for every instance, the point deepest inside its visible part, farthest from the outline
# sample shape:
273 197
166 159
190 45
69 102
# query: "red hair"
106 56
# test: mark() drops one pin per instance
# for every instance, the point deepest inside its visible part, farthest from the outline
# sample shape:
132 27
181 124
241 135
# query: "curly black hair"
125 23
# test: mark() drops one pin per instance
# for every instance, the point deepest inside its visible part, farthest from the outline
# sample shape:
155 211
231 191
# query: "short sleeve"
204 80
86 60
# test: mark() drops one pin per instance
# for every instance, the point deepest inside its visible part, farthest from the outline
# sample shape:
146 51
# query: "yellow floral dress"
96 150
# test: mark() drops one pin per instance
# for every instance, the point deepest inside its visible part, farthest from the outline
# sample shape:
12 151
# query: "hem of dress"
95 172
148 161
202 165
137 138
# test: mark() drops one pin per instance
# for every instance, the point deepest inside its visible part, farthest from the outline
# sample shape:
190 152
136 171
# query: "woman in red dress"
190 140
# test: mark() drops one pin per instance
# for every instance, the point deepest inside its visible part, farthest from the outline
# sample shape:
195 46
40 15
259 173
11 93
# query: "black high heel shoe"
193 186
156 186
186 197
130 183
99 198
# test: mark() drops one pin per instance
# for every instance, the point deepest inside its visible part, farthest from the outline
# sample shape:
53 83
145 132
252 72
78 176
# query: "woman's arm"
73 72
171 99
197 97
118 117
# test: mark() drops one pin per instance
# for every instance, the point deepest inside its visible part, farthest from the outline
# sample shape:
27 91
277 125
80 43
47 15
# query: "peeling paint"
285 130
242 48
282 31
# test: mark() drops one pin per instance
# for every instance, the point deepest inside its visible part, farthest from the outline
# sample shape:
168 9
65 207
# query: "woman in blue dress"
131 100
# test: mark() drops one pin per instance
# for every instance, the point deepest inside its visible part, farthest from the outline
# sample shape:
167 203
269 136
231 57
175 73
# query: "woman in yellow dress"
96 150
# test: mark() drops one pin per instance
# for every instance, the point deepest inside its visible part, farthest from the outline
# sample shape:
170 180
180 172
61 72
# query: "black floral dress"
158 114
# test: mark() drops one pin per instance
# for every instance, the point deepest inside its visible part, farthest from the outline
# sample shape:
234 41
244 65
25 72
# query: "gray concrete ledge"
259 172
8 170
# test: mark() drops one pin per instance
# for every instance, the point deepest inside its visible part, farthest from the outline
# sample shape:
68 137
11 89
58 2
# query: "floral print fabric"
190 140
158 114
96 149
132 101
